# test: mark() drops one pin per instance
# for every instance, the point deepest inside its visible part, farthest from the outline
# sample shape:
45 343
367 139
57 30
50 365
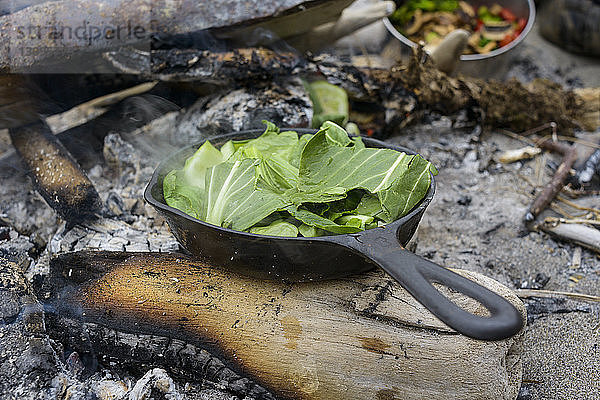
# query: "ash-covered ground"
475 222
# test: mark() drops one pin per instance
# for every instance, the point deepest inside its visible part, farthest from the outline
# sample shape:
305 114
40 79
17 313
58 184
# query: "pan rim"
163 207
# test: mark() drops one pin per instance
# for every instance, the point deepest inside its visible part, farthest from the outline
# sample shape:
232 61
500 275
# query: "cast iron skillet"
328 257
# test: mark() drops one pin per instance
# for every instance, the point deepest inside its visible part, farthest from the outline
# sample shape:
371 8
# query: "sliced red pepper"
507 15
521 23
479 25
508 38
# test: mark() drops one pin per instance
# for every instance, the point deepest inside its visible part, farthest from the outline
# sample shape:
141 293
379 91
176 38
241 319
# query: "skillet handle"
417 274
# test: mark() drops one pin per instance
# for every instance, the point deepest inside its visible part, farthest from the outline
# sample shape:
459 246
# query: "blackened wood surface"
57 176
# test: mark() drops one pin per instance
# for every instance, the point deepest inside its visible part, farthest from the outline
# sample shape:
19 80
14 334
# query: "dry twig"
558 180
527 293
556 220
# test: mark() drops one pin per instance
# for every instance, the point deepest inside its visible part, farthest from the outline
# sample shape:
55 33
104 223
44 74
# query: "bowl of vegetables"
310 205
496 26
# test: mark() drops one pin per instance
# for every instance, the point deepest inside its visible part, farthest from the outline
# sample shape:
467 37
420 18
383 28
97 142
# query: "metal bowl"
490 64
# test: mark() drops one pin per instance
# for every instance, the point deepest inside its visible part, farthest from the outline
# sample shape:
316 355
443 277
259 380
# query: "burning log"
362 337
223 68
135 351
505 104
57 176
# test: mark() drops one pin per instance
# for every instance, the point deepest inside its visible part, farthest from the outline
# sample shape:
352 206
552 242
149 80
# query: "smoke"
201 40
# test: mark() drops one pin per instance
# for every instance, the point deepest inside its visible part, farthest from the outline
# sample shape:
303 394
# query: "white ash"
286 104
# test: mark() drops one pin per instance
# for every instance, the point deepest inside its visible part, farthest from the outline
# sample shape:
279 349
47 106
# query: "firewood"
509 104
57 176
360 337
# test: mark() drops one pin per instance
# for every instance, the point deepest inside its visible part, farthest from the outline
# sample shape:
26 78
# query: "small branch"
577 206
558 180
84 112
555 220
551 145
583 235
527 293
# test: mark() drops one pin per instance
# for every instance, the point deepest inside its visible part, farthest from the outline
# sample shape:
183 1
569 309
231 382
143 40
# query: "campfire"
102 297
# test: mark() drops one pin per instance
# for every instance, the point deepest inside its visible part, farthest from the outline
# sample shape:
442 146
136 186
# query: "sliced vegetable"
195 167
357 220
521 23
321 184
330 103
232 198
483 41
497 30
182 196
309 231
496 9
431 36
312 219
467 8
399 198
276 174
507 15
430 21
277 228
508 38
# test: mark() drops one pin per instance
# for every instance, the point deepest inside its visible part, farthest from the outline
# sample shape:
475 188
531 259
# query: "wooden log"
362 337
509 104
56 174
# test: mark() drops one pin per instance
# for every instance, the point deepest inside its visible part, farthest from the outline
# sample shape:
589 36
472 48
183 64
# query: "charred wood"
266 329
284 103
57 176
508 104
180 65
27 356
135 351
505 104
